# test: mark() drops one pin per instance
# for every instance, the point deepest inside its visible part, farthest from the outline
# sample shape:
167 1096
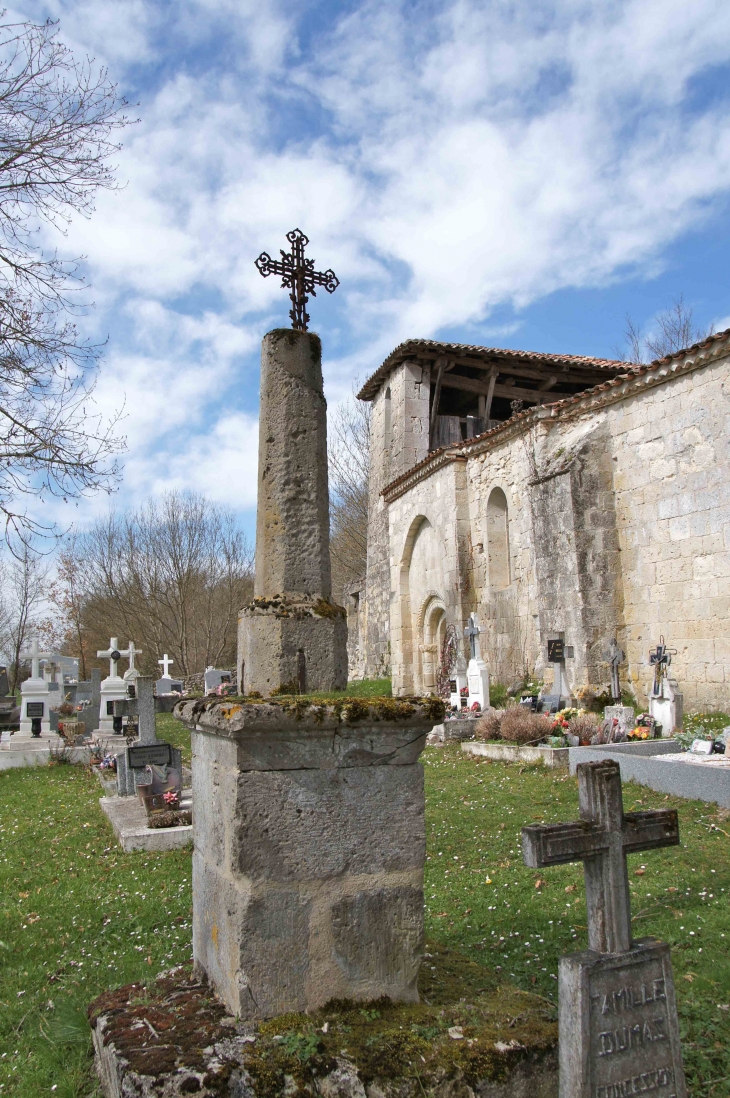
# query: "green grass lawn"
79 916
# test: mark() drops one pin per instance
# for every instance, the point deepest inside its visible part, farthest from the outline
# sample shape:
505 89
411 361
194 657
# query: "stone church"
554 496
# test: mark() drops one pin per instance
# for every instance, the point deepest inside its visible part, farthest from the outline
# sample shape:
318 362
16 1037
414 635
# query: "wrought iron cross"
601 839
297 274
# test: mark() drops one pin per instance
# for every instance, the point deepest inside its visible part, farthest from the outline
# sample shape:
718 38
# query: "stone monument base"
176 1038
289 646
309 848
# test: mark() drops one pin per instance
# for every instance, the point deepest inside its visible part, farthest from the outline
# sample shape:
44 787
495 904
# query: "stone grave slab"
130 822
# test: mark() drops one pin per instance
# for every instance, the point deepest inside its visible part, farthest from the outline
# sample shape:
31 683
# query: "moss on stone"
467 1027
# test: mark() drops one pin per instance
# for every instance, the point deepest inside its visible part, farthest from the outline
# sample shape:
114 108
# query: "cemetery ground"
79 916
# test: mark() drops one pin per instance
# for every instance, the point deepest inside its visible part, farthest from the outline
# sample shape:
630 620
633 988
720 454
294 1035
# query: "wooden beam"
440 365
490 395
489 388
576 374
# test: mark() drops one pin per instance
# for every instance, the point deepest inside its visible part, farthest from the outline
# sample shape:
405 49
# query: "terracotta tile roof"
431 346
457 450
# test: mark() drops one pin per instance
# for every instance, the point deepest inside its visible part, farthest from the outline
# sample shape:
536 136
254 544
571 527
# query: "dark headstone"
4 684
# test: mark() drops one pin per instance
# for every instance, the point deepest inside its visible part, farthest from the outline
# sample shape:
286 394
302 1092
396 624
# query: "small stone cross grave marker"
147 750
619 1032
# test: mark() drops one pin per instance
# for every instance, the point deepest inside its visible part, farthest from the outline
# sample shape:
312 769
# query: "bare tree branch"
58 119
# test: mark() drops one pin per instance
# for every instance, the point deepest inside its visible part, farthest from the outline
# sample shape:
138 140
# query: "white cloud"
445 159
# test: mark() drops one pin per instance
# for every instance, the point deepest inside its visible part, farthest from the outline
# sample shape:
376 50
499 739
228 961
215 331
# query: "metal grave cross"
601 839
298 275
35 656
615 656
166 665
660 658
472 631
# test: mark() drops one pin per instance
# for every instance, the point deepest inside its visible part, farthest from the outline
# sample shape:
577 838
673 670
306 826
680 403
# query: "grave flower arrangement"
639 733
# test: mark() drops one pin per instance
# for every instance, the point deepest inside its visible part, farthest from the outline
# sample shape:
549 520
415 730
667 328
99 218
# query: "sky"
497 172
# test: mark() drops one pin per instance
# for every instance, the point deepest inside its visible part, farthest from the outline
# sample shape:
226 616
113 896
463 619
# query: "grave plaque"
556 650
619 1031
34 709
153 754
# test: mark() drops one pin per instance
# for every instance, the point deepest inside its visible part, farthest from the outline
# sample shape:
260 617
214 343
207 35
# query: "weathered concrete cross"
472 631
601 839
615 657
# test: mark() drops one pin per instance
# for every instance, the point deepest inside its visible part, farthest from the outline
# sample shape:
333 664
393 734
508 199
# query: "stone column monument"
292 638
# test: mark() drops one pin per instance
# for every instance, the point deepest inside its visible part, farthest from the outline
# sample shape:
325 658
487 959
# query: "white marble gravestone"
619 1031
458 682
477 674
113 688
35 698
132 673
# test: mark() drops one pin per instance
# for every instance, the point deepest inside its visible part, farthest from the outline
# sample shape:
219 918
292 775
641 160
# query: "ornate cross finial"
299 275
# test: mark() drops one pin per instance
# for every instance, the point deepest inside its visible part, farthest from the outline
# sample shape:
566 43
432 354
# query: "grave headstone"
132 674
113 688
212 679
90 714
4 684
619 1031
558 651
146 751
476 672
458 685
35 699
666 703
624 714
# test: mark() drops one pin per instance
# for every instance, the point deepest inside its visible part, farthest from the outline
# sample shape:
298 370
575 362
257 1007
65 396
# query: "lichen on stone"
468 1029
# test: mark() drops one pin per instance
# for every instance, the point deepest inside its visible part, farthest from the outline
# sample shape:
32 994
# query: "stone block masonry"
309 848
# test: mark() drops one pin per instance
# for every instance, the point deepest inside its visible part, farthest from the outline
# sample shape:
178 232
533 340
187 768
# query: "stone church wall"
671 450
618 525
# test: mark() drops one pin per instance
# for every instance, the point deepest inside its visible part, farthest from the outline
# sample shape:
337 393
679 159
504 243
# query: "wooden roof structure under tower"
477 387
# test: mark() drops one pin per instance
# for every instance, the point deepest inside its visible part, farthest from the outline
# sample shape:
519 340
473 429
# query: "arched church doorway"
422 608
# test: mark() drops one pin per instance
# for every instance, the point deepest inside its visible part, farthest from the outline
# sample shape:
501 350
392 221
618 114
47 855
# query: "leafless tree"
672 330
24 587
349 464
58 117
171 576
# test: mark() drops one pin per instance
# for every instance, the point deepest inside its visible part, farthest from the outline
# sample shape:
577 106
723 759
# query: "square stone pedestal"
309 847
292 647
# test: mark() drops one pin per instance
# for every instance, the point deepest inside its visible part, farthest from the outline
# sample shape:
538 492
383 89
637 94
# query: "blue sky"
491 171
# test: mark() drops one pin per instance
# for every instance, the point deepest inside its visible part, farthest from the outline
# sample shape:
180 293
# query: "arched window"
498 540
